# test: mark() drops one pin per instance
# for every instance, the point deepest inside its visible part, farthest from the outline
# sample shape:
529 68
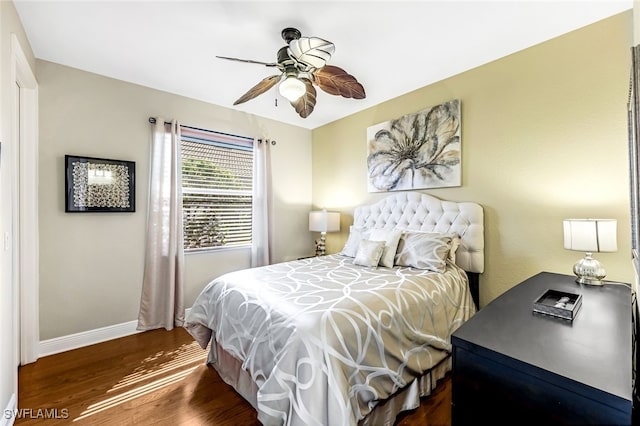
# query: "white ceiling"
391 47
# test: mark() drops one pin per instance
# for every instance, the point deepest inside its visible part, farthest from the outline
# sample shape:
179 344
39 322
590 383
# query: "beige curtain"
261 212
162 303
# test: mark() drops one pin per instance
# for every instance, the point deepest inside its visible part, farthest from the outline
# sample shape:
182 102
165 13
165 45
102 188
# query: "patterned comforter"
325 339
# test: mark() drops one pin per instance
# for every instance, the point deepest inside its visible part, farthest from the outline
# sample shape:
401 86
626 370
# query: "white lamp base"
589 271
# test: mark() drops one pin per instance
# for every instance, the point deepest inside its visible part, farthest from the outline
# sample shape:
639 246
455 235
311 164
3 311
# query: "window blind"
217 174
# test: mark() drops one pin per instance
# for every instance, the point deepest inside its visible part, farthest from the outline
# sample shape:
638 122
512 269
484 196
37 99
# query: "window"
217 174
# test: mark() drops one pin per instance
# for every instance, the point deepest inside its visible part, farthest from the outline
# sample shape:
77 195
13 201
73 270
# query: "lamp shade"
324 221
590 235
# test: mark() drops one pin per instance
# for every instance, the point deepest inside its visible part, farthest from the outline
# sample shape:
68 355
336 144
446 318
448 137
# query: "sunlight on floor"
168 367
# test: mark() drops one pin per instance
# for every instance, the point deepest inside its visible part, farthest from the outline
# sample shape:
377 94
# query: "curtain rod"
153 120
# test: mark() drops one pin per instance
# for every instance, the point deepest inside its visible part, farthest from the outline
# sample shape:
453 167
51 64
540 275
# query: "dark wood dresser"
513 366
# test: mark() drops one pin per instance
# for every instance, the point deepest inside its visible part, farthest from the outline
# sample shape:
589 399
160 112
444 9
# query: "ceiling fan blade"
336 81
312 51
304 104
259 89
249 61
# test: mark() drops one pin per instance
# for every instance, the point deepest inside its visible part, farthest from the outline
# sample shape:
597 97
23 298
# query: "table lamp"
590 236
323 221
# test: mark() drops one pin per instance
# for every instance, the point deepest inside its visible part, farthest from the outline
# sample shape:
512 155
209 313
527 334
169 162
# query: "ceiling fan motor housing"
283 56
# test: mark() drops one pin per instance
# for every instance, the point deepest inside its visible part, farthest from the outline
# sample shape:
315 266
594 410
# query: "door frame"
25 243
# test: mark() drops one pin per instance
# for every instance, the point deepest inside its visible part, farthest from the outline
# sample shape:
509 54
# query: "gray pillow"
424 250
369 253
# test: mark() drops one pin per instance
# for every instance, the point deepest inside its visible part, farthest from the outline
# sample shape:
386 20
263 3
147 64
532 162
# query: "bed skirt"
385 412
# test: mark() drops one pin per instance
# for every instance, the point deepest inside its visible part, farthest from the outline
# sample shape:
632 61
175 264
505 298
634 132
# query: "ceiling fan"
303 64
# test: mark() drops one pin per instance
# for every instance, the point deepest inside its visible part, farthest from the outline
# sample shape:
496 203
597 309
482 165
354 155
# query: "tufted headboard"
421 212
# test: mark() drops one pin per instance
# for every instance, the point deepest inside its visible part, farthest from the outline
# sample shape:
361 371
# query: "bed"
356 337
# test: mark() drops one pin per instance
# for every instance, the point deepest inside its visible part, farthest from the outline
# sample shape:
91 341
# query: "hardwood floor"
153 378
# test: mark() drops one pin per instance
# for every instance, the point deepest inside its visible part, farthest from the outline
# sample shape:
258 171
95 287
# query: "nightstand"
512 366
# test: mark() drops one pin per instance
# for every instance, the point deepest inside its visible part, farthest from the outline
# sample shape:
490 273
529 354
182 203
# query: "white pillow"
424 250
391 237
355 236
369 253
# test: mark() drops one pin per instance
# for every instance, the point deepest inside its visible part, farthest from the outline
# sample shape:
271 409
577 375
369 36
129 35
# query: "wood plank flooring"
153 378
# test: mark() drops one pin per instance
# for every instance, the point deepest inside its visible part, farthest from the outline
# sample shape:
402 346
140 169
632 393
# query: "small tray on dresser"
558 304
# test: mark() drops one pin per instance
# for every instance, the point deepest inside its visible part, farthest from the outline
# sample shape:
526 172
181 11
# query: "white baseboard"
8 412
86 338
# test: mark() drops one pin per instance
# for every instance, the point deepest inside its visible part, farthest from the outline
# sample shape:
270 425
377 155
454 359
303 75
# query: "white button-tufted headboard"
421 212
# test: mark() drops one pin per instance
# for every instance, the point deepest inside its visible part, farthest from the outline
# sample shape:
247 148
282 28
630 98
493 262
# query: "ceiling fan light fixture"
303 65
292 88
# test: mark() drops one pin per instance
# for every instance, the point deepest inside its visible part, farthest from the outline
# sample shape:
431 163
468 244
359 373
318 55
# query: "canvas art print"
416 151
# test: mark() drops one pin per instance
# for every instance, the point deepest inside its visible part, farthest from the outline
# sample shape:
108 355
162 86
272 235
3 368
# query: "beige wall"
544 138
91 264
636 20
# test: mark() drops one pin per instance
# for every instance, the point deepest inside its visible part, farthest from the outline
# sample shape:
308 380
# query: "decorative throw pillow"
369 253
391 237
355 236
424 250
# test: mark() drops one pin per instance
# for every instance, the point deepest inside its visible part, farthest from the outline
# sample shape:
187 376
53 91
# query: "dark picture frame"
99 185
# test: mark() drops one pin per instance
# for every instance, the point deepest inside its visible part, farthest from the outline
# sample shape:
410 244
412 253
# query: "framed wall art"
416 151
99 185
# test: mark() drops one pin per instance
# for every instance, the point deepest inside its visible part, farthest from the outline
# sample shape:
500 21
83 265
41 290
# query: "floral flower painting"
416 151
